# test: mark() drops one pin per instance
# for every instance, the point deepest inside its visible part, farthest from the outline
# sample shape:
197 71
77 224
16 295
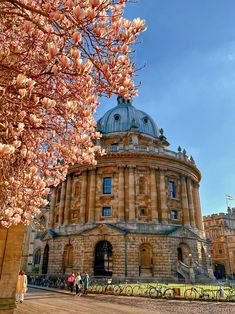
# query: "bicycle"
141 289
162 292
123 289
225 294
199 293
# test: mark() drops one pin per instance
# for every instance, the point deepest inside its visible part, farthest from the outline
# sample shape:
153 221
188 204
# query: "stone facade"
135 214
220 229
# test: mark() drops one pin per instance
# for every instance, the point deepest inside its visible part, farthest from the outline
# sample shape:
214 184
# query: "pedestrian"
85 282
21 287
78 284
70 281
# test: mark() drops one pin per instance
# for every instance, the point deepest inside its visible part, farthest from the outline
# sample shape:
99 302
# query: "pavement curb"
51 289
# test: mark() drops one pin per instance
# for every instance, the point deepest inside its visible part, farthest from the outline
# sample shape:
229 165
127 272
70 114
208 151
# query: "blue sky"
188 85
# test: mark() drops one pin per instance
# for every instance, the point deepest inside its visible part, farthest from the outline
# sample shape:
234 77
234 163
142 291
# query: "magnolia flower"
6 149
52 50
79 13
77 37
20 80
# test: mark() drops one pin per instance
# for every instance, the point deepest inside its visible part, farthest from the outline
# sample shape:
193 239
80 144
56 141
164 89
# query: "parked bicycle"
123 288
141 289
162 291
195 293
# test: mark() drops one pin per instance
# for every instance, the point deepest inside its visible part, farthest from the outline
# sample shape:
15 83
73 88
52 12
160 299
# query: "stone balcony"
151 150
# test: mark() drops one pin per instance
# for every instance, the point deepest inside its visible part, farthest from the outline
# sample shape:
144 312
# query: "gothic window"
68 258
107 185
45 260
142 185
37 257
174 214
106 211
172 192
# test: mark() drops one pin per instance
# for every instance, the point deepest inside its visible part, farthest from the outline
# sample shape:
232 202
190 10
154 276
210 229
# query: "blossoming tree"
57 57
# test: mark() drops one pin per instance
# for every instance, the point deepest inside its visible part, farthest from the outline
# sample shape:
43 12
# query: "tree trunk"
11 241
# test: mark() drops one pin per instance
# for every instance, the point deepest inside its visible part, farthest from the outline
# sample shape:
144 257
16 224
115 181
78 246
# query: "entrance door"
180 254
103 259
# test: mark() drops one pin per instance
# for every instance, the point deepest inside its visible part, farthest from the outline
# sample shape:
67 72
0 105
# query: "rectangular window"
107 185
143 212
106 211
174 214
172 189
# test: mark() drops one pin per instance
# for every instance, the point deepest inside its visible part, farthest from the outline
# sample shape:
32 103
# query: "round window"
117 117
145 119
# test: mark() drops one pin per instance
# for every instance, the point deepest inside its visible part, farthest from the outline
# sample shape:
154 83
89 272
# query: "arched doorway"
45 259
203 258
184 254
146 260
219 271
180 254
103 259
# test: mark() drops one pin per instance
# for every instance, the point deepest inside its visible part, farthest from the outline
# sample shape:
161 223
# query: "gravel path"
48 302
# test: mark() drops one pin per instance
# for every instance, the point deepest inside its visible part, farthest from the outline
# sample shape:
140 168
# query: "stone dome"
125 117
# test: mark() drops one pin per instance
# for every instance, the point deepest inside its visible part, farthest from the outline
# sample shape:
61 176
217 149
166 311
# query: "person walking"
85 282
78 284
70 281
21 286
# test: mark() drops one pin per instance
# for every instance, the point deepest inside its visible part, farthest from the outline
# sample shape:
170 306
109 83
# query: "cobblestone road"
48 302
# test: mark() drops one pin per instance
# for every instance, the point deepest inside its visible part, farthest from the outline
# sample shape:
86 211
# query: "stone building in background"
32 245
135 214
220 229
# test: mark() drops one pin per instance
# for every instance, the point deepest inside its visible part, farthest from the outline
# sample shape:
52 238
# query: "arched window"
45 259
68 258
142 185
37 257
103 258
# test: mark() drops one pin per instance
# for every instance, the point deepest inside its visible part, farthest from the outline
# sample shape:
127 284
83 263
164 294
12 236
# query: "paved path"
49 302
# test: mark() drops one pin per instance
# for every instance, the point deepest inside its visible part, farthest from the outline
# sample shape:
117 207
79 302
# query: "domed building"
135 214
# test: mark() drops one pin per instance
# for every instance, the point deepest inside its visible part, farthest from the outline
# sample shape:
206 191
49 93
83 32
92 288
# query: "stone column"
62 202
83 197
154 211
91 193
190 202
52 208
163 199
184 200
197 207
68 200
99 189
131 193
11 241
121 194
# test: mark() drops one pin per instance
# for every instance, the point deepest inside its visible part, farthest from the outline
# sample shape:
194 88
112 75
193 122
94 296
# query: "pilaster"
62 203
68 200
